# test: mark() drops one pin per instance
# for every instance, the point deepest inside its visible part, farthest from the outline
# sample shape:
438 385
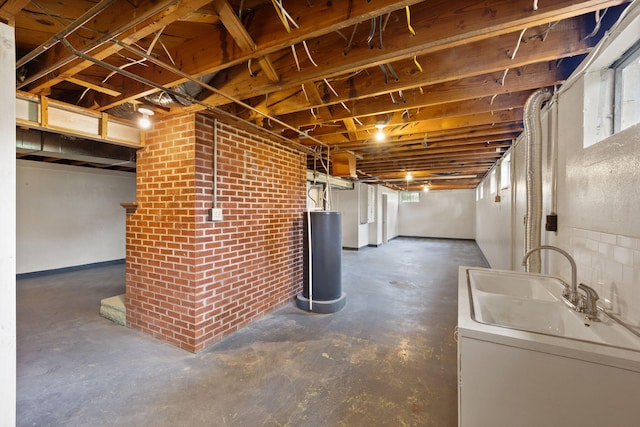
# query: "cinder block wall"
191 281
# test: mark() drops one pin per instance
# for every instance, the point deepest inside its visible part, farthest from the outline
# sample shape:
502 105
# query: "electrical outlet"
215 214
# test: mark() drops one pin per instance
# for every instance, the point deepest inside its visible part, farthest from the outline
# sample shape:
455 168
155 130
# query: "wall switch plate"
215 214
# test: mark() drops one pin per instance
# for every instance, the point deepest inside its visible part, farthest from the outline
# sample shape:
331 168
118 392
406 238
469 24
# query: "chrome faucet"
572 294
590 309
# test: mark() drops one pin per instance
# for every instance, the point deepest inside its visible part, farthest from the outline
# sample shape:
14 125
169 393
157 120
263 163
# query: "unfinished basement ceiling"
448 79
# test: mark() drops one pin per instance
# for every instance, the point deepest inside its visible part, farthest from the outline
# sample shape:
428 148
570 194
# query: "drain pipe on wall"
533 160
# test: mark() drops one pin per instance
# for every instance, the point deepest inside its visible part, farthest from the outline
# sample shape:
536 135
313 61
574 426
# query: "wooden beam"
315 20
482 86
94 84
434 32
350 125
242 38
563 40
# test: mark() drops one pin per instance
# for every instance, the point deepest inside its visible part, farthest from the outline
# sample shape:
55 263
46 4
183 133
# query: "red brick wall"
191 281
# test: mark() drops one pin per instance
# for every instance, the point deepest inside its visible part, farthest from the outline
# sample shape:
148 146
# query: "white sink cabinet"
511 377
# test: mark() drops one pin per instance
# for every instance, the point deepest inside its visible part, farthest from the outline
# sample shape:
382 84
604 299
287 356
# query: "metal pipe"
533 156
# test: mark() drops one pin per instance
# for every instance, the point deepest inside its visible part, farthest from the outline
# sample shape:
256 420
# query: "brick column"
191 281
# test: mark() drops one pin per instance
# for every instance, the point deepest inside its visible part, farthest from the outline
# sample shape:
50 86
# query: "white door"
385 207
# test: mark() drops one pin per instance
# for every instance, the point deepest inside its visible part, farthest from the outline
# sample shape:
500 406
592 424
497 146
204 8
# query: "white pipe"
513 192
310 261
533 156
554 154
214 177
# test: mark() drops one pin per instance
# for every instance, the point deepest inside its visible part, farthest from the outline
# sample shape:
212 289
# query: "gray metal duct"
533 161
46 144
189 88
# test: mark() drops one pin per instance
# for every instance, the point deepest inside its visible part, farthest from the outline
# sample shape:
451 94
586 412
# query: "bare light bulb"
380 135
144 122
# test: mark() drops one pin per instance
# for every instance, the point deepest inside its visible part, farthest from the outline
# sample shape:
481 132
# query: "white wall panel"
7 228
69 216
449 214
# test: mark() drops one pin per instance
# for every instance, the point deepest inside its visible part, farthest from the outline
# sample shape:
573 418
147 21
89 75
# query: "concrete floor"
387 359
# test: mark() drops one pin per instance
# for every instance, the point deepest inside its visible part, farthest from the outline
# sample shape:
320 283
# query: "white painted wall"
69 216
393 202
348 203
598 197
355 234
449 214
493 225
7 228
376 232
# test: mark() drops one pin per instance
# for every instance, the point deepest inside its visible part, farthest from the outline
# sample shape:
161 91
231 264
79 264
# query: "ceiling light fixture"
380 135
144 121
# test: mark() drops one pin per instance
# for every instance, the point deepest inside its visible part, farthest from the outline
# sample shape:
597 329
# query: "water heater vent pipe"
533 161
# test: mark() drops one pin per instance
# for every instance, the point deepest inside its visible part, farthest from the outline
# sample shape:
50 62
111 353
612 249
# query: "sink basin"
517 285
533 303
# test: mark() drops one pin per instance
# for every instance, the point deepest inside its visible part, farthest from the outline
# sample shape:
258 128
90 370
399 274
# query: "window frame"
629 57
414 197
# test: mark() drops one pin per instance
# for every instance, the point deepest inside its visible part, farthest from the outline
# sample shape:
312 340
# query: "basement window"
410 197
627 89
612 97
493 186
505 172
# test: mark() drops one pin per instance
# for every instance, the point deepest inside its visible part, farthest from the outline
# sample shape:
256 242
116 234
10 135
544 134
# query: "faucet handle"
591 309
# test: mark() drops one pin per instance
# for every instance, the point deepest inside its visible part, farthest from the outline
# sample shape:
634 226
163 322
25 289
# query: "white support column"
7 227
